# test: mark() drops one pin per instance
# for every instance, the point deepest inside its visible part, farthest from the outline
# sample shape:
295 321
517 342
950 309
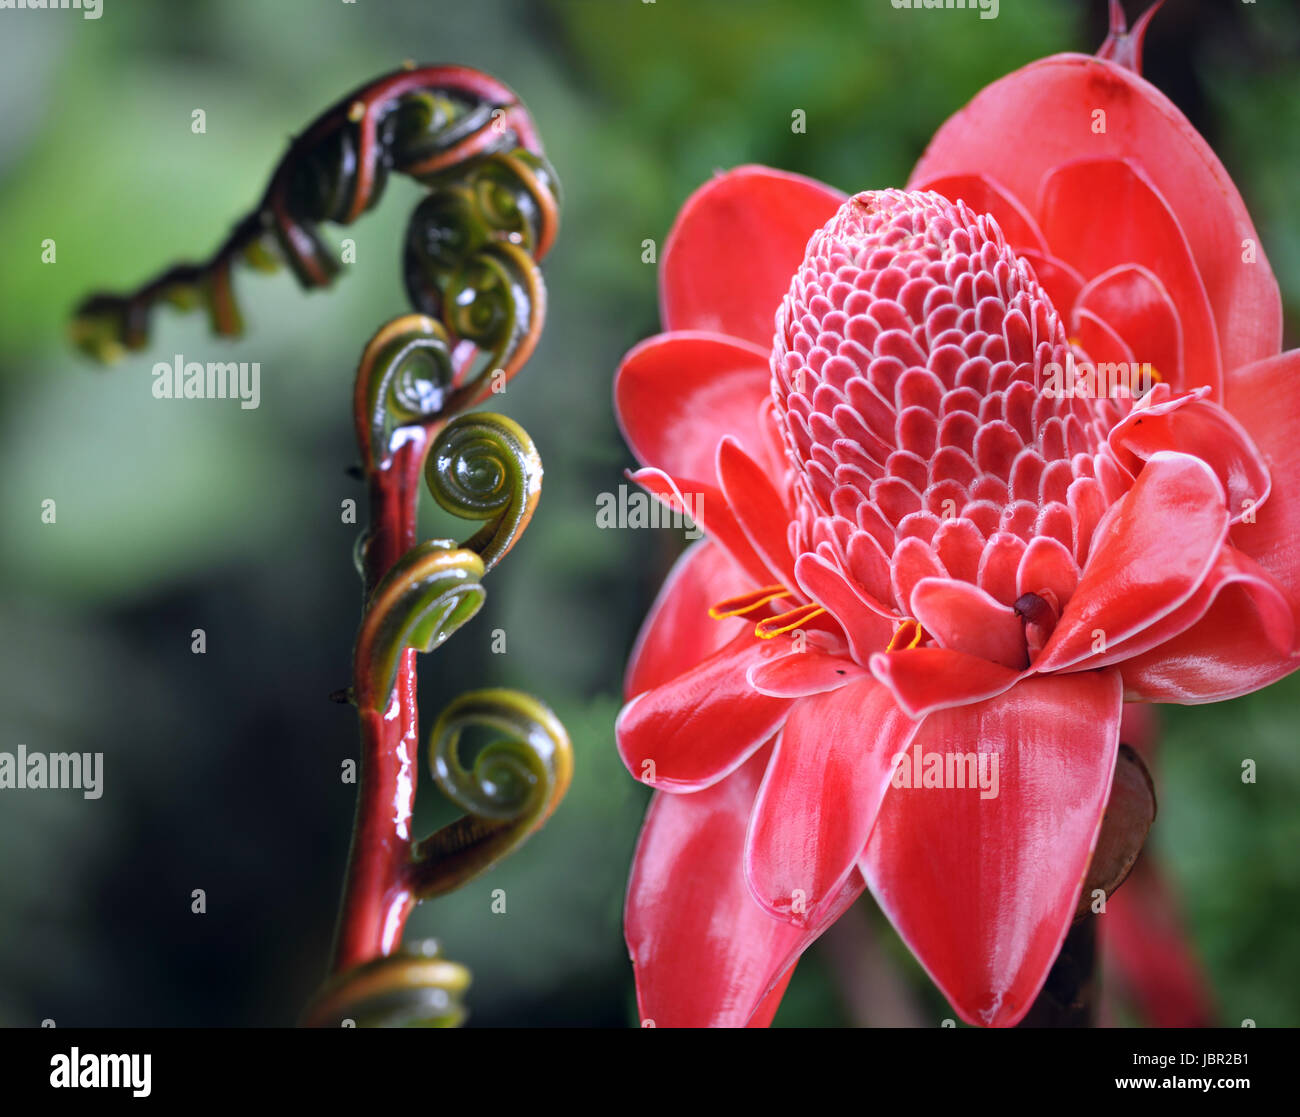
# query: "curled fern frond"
427 595
471 269
441 125
413 988
405 376
496 300
485 467
509 790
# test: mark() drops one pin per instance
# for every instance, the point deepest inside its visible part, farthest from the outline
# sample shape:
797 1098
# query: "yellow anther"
744 603
907 636
787 622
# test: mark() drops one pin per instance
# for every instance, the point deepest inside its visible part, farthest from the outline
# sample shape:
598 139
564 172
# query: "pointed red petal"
1264 399
964 618
1150 554
1134 303
737 241
1099 339
707 507
927 679
1242 637
1262 610
678 633
758 508
1019 128
1193 425
1102 213
677 395
810 671
983 890
863 619
689 733
762 1017
820 796
1047 565
706 955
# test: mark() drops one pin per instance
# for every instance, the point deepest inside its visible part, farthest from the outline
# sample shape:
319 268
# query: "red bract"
922 546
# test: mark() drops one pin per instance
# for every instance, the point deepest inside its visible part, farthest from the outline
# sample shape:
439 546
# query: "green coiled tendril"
406 377
413 988
427 595
463 135
485 467
470 264
512 785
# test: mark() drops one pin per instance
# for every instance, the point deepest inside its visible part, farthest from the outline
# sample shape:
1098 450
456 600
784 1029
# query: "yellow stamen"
744 603
786 622
906 637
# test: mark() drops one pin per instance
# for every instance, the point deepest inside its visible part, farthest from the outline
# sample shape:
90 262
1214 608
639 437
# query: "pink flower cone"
921 544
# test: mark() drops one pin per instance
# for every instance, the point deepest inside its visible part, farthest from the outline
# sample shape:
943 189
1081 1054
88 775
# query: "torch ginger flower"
917 548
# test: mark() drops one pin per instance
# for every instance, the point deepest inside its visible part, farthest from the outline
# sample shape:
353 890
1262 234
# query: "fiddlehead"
470 263
404 378
509 790
413 988
427 595
497 300
471 252
440 125
485 467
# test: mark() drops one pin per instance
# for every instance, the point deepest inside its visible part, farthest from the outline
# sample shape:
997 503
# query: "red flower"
917 550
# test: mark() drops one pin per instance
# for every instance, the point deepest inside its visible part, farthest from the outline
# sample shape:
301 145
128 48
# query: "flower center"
909 371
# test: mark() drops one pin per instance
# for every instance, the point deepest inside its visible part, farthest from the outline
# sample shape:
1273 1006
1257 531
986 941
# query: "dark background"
222 770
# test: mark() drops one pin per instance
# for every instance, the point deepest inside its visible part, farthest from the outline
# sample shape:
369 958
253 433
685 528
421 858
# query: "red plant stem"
376 895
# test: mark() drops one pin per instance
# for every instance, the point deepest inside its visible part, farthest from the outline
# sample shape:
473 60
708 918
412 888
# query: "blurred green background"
222 770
